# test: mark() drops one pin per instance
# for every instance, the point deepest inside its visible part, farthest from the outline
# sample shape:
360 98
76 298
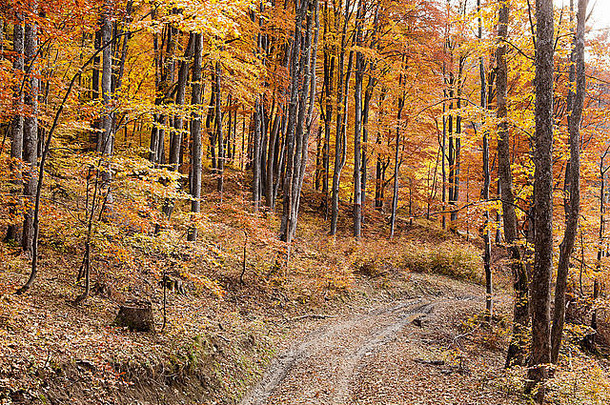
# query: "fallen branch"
455 339
312 316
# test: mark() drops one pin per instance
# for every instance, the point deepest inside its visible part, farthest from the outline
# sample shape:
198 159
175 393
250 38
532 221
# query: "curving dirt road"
409 353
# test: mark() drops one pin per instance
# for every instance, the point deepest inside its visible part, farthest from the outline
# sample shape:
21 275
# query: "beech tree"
575 102
543 200
516 350
300 111
30 125
12 232
196 149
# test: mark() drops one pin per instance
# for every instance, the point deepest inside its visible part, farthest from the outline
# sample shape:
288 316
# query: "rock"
136 315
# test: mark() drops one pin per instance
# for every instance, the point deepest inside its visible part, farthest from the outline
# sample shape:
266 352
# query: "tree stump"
136 315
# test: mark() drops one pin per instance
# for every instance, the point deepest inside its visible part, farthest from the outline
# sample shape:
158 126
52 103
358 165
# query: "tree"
196 150
30 125
343 79
486 174
12 232
358 124
516 349
543 199
300 112
575 102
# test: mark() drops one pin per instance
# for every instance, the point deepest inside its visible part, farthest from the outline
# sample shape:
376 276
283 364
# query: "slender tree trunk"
95 86
343 79
105 143
357 173
302 93
256 154
196 150
357 209
368 94
540 287
106 140
397 161
517 346
443 159
329 71
602 231
219 134
329 68
457 152
12 232
30 129
380 167
575 107
486 183
271 162
318 171
175 147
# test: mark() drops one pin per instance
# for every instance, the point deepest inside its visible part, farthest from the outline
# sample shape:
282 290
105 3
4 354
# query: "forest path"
410 352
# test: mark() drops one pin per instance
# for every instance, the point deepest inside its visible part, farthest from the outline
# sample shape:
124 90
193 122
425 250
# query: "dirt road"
413 352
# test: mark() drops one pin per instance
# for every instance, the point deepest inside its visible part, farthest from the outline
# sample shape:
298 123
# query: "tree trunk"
30 129
359 77
357 209
12 232
602 231
329 71
517 346
175 146
574 111
486 183
256 154
219 137
95 86
106 140
397 161
302 99
368 94
329 67
196 153
543 205
343 79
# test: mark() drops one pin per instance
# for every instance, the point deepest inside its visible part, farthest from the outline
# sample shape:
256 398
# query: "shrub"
448 258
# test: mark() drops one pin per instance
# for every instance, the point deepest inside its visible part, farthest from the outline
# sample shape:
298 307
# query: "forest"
190 186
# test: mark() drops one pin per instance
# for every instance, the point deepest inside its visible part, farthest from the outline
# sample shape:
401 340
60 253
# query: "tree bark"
219 135
540 286
397 161
329 71
175 147
302 99
196 150
30 129
358 125
106 140
357 209
343 79
12 232
486 183
517 346
574 111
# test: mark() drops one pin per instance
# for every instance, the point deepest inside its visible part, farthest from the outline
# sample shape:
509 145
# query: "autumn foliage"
157 140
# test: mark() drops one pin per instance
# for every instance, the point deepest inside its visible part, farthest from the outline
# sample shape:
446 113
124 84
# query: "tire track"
322 368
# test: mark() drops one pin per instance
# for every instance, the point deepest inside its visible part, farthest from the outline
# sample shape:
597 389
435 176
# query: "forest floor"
370 321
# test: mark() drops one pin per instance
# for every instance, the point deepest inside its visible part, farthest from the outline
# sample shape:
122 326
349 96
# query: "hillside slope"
228 320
